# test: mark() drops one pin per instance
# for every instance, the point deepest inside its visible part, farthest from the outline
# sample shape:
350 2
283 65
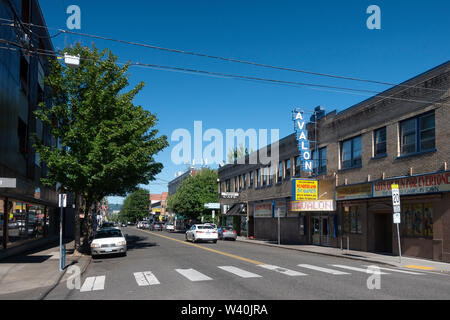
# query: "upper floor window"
320 161
417 134
379 142
288 168
227 184
298 165
351 151
280 171
258 178
245 181
264 176
252 179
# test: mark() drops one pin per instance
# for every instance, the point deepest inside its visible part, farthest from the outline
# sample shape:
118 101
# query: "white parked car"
170 227
108 241
202 232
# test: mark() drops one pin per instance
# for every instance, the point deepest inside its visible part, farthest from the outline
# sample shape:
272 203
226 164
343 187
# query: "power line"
230 59
241 77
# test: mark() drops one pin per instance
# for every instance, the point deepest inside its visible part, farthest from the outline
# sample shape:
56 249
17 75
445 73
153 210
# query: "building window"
280 171
351 151
298 165
417 134
379 142
258 178
24 66
417 220
352 220
228 187
320 161
252 179
288 168
264 176
22 136
245 181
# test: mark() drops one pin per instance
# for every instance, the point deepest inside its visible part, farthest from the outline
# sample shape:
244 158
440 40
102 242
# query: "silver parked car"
227 233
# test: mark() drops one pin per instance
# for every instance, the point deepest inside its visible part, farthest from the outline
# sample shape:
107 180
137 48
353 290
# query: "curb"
320 253
58 281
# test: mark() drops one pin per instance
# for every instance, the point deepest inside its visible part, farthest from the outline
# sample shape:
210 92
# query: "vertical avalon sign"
302 140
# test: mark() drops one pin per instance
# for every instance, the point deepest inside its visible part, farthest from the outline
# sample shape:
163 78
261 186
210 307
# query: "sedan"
108 241
170 227
202 232
227 233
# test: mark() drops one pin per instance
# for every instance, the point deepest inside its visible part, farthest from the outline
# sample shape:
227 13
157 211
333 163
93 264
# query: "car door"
193 228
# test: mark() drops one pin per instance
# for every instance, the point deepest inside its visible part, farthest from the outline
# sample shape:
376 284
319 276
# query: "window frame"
417 131
352 153
377 154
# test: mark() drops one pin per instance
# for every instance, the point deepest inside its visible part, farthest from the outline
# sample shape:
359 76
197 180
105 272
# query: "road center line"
207 249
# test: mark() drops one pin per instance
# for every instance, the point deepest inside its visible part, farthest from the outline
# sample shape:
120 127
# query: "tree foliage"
136 205
106 143
193 193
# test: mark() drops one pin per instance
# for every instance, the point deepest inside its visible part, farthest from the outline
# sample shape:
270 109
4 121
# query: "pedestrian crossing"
148 278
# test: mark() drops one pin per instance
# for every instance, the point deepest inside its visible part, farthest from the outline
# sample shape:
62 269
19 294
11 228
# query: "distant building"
158 203
175 183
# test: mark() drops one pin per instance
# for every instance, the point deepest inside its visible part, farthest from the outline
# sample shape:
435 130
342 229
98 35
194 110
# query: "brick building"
398 136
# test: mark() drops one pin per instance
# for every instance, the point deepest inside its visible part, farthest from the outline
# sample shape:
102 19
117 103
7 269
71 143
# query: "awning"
237 209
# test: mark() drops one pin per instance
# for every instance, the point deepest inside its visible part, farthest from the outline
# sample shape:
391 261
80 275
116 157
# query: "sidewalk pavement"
369 257
32 275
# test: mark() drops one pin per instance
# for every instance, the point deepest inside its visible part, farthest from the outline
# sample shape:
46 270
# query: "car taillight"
199 231
235 232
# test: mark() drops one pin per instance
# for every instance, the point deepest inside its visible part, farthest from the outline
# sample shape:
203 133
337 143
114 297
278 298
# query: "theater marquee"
317 205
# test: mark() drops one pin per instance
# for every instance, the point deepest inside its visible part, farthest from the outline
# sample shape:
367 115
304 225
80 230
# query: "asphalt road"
162 265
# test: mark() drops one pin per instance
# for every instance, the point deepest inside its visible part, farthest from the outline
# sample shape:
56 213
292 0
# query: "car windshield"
109 233
227 228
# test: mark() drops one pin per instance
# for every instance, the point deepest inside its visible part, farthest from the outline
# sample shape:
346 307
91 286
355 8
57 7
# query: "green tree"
194 192
107 143
136 205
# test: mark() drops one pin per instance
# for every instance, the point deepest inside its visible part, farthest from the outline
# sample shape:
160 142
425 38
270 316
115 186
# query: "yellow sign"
394 186
305 189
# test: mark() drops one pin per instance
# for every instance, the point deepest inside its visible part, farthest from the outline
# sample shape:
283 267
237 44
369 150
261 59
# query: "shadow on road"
137 242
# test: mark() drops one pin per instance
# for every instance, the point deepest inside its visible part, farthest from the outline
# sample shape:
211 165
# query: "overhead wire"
231 59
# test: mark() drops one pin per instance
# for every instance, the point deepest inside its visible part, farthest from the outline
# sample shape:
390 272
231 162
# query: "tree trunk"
77 233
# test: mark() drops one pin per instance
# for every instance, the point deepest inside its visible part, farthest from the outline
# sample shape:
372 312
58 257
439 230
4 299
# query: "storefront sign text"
304 189
318 205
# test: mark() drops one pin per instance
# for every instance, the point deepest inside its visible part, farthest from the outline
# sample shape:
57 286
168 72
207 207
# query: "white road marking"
99 283
151 279
285 271
140 279
368 270
239 272
401 271
326 270
193 275
88 284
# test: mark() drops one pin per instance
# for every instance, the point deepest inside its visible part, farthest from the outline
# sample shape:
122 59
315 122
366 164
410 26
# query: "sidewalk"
32 275
369 257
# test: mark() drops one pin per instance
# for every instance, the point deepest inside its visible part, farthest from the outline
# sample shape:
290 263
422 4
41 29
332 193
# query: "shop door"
315 230
324 231
383 233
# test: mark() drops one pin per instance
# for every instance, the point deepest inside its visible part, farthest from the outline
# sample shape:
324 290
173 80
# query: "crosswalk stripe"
368 270
240 272
151 279
285 271
93 283
401 271
146 278
99 283
326 270
193 275
88 284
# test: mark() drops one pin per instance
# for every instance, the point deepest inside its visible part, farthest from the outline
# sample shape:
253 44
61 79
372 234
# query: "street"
162 266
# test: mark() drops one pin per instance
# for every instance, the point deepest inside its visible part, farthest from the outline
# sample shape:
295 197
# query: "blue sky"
320 36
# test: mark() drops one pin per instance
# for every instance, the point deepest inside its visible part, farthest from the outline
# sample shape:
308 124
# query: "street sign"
8 183
62 200
212 205
396 202
396 209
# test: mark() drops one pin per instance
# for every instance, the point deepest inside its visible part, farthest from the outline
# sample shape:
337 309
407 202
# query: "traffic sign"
212 205
8 183
397 217
62 200
396 202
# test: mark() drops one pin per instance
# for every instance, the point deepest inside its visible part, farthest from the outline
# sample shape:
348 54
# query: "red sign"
432 183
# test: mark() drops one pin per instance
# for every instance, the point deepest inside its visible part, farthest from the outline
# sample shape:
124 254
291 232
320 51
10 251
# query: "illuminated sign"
303 189
302 140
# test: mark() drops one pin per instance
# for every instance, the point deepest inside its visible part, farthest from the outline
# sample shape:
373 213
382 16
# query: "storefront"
23 221
320 216
366 211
